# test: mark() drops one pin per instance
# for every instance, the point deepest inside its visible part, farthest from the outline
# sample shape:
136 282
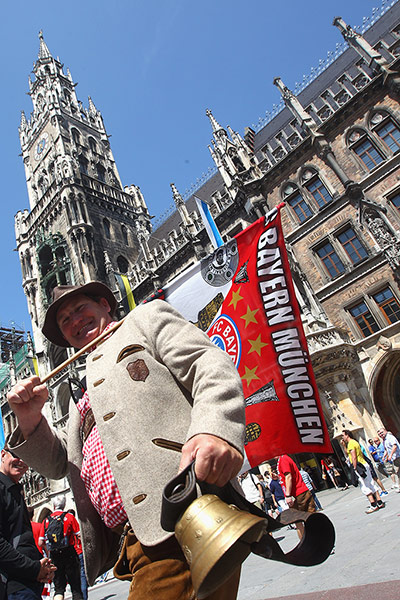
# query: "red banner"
243 296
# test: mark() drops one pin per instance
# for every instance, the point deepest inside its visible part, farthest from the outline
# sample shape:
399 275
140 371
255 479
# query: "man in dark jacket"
23 570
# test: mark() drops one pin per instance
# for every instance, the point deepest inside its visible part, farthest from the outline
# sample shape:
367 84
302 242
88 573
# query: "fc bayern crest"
224 334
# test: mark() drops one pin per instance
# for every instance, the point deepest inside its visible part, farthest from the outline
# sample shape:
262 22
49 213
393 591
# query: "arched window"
74 209
45 259
76 136
295 200
123 264
101 172
315 187
52 171
40 102
63 398
107 228
361 144
92 144
385 127
50 285
83 209
124 232
83 164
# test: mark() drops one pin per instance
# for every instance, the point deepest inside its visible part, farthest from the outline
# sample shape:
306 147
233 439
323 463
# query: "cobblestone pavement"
365 563
364 566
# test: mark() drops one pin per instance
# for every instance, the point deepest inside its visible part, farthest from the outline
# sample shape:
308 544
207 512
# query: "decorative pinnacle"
44 52
92 108
23 123
107 262
346 30
286 93
214 123
177 197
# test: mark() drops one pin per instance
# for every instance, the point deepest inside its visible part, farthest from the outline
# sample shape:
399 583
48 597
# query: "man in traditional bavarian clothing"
159 394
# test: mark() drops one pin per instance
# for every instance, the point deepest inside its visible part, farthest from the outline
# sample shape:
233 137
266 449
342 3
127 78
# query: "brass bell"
215 538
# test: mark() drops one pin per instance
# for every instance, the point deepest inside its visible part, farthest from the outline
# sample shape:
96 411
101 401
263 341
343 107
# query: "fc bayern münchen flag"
243 297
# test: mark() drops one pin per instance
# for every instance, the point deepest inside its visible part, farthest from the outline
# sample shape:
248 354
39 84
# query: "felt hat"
61 293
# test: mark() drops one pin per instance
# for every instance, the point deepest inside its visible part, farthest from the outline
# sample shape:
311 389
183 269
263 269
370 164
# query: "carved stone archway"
386 393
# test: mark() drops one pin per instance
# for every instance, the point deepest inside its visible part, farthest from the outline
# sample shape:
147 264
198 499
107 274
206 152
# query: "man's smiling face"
81 319
12 466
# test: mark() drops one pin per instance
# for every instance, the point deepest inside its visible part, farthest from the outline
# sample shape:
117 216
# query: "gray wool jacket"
153 384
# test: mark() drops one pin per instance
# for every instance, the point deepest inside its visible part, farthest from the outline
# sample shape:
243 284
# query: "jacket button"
98 382
109 416
139 498
123 454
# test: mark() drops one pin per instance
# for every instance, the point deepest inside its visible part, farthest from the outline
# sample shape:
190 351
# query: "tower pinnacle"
214 123
44 52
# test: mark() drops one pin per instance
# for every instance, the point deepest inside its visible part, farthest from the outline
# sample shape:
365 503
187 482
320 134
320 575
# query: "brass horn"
216 538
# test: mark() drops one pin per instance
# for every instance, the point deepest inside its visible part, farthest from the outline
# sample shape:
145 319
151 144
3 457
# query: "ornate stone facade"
330 152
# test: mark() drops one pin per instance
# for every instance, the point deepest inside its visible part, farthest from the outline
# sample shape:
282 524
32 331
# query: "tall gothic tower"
82 224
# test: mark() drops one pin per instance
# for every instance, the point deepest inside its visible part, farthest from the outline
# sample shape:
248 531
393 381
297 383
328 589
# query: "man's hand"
46 572
26 399
289 501
217 461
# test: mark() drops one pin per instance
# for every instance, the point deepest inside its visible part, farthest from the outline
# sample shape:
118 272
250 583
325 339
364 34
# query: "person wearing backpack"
57 537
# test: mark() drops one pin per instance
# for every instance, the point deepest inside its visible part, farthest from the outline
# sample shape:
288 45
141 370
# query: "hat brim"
50 326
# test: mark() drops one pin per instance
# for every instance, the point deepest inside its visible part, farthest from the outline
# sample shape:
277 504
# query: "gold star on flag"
256 345
236 297
250 374
249 317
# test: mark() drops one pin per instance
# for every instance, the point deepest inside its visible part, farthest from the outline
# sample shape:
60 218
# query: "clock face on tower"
41 145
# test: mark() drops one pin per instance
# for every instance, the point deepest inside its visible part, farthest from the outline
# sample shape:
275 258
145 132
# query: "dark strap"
87 425
314 547
77 388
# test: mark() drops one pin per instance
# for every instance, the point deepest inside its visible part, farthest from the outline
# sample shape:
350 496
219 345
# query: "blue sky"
153 67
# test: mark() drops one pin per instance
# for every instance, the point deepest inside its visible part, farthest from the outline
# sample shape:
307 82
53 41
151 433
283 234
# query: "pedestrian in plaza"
311 486
23 569
252 488
268 505
297 494
159 395
79 551
36 527
391 456
363 474
374 473
278 495
377 450
57 537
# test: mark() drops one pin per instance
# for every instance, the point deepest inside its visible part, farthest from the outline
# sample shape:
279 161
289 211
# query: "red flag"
243 296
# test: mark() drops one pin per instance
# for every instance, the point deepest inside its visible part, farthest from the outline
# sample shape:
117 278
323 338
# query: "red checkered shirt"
97 476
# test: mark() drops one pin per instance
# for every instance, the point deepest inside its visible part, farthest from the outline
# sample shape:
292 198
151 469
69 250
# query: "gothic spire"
216 127
44 52
187 222
23 124
176 195
92 108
